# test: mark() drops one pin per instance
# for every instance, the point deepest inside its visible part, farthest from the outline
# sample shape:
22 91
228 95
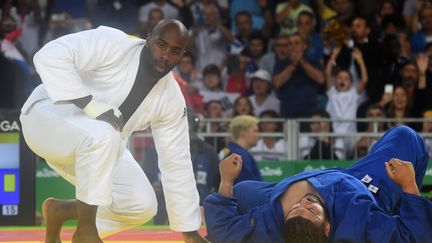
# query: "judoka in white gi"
98 87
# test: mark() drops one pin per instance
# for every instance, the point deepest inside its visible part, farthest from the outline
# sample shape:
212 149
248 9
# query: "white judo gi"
90 153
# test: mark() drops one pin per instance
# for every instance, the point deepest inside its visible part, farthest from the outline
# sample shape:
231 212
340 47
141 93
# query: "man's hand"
402 172
105 112
193 237
230 168
422 61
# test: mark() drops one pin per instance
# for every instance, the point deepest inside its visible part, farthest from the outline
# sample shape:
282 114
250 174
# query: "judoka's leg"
133 199
81 150
134 203
252 193
399 142
55 213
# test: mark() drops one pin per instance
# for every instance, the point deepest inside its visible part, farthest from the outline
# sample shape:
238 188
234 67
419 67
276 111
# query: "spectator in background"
12 88
404 39
213 110
244 134
145 28
413 80
424 35
242 106
186 68
205 163
296 80
211 88
169 11
210 39
392 62
254 51
253 7
191 95
344 10
287 14
386 8
21 82
364 143
186 75
27 16
389 72
280 52
387 19
390 24
237 75
344 96
197 7
410 11
244 29
306 27
321 147
424 91
399 106
409 77
211 79
262 97
371 52
269 148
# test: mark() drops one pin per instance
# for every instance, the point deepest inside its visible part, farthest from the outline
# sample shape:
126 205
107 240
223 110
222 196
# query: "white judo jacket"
103 62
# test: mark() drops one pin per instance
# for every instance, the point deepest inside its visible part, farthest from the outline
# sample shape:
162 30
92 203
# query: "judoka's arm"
402 172
230 169
60 61
224 223
171 135
414 222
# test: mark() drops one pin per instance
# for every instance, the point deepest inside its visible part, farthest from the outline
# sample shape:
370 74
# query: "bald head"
171 26
167 43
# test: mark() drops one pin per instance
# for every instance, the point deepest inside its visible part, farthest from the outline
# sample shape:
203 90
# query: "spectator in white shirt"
263 97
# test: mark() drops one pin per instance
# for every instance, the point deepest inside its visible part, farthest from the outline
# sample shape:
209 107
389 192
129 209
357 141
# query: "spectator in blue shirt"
244 133
296 80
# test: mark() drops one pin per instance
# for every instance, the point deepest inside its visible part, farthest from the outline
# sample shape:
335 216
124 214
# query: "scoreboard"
17 174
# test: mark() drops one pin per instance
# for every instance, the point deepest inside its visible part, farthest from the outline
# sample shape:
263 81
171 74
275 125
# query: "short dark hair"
367 20
301 230
211 69
306 13
243 12
190 55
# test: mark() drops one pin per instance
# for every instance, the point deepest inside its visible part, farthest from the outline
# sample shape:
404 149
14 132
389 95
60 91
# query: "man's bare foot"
53 224
81 237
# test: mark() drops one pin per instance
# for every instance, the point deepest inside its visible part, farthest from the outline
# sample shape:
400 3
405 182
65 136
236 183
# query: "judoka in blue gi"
375 200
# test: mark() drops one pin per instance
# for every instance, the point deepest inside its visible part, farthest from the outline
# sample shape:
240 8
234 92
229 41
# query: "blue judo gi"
364 204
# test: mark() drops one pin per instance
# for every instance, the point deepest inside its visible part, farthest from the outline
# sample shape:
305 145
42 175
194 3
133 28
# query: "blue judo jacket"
356 213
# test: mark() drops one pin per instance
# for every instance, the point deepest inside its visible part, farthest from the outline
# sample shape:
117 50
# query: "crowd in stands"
341 59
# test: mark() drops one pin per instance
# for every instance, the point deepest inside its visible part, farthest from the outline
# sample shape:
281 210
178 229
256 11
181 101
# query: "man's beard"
149 63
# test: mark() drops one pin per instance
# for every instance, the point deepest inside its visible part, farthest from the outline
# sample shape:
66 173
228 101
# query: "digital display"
9 169
17 173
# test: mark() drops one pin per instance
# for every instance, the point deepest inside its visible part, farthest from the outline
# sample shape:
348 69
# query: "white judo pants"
91 155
